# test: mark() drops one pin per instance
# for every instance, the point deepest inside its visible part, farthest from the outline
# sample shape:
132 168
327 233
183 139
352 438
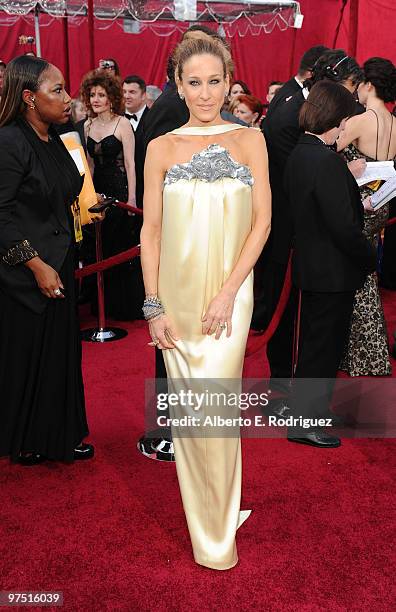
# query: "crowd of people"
228 185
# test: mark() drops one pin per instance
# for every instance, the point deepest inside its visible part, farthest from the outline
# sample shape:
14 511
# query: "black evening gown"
41 387
123 284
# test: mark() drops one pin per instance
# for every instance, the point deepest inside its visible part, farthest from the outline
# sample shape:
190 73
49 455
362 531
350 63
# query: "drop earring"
181 96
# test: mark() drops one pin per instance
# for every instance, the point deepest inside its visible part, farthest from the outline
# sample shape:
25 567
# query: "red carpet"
111 534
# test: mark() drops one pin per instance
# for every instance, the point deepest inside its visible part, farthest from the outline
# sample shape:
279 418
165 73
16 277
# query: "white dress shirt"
135 122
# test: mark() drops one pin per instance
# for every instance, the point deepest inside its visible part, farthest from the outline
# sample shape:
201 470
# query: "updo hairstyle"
201 46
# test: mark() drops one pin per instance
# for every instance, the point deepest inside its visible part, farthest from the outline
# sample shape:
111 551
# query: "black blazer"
139 158
31 209
290 88
281 131
167 113
330 251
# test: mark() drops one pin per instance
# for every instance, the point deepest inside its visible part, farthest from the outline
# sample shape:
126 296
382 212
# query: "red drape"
258 59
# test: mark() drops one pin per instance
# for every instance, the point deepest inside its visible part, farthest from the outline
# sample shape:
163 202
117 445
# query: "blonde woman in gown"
206 220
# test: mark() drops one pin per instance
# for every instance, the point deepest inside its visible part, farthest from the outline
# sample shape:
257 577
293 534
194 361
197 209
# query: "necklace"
104 123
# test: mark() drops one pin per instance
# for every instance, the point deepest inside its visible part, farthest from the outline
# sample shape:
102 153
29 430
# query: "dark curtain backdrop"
367 29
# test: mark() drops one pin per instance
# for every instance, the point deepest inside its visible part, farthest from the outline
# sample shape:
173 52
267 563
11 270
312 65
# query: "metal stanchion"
101 333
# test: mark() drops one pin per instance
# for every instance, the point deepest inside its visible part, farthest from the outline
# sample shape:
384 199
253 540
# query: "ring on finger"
57 292
222 325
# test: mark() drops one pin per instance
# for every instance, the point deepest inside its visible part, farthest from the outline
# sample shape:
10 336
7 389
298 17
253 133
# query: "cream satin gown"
207 216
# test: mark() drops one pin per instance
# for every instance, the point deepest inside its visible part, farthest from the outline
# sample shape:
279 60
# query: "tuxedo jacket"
31 209
139 158
281 131
331 253
168 113
290 88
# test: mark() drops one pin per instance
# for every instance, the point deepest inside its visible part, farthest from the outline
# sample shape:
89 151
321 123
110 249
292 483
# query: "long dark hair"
381 73
23 72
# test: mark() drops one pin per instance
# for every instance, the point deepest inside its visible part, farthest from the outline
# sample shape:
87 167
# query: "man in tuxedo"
282 142
295 84
282 132
134 90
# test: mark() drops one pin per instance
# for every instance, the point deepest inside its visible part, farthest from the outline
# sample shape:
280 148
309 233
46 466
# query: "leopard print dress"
367 350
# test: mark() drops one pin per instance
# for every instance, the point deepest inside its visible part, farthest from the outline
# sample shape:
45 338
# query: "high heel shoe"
84 451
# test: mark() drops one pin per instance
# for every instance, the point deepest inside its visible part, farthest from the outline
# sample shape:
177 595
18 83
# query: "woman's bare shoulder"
123 122
162 145
250 135
362 119
159 151
250 140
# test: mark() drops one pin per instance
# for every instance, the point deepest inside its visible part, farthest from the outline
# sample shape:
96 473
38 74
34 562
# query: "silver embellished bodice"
209 165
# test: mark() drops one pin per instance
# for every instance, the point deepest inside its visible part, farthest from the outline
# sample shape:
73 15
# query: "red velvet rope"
125 206
139 211
257 342
115 260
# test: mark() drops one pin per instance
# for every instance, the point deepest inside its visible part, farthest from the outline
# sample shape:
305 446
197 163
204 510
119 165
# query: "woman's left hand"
219 314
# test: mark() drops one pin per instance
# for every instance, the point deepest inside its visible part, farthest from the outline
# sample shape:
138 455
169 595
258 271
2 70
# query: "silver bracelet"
152 308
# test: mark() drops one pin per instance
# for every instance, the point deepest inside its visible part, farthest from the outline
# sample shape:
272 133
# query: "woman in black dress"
42 413
110 145
371 136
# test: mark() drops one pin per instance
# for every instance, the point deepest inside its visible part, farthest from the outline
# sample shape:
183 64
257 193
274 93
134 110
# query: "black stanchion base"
103 335
159 449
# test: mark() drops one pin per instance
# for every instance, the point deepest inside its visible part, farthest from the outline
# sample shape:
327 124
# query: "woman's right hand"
47 279
162 333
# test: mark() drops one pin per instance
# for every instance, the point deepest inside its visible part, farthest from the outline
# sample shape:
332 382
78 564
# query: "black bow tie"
128 116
